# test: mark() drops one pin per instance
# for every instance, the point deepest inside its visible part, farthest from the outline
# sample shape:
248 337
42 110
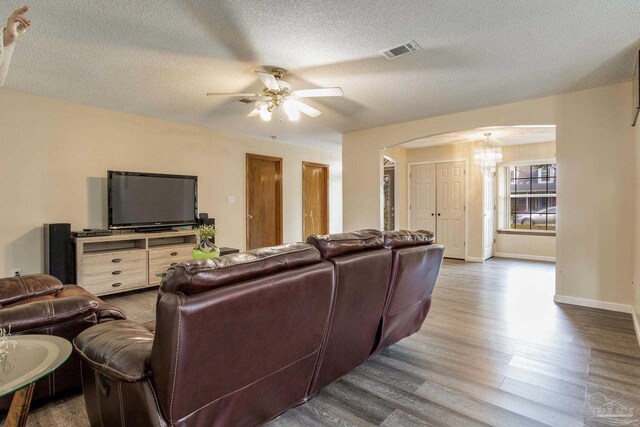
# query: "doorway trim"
278 162
304 199
467 177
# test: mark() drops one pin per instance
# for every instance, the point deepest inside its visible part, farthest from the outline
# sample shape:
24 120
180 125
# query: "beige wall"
636 272
594 245
55 157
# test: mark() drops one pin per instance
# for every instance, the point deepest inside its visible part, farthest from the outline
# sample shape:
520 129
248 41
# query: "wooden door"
489 219
315 199
264 201
450 195
422 201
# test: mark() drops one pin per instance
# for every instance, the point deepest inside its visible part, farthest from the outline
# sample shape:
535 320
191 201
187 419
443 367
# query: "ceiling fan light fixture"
291 110
265 115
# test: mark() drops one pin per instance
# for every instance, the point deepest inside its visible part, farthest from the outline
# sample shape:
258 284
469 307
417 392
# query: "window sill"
528 233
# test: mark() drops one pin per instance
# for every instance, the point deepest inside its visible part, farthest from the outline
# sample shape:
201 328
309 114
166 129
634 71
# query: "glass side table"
25 362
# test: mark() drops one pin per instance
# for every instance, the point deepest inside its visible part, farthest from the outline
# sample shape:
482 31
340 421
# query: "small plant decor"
206 232
5 345
205 248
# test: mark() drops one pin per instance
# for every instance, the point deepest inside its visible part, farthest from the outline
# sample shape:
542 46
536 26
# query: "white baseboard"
473 259
528 257
585 302
636 324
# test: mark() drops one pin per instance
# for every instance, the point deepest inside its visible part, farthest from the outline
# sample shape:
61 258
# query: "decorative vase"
206 249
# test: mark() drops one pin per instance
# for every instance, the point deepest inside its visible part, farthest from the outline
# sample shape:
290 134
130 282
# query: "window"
532 197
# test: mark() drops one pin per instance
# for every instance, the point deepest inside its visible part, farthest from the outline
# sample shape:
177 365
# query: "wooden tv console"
122 262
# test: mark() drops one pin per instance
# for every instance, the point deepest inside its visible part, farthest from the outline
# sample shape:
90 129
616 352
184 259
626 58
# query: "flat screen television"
139 200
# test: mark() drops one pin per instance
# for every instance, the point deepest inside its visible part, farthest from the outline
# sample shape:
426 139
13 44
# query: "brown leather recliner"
41 304
363 269
236 343
414 272
244 337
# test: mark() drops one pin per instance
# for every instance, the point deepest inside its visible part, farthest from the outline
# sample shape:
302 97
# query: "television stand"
127 261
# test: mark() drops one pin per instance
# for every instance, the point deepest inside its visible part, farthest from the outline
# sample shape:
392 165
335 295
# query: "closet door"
451 208
422 198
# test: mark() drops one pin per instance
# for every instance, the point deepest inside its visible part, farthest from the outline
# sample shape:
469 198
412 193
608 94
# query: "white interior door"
422 203
450 202
489 219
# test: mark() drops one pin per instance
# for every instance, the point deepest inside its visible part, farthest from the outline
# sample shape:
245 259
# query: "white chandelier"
487 156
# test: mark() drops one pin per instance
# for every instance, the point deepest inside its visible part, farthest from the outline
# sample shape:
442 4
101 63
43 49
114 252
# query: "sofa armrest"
104 312
107 312
39 314
14 289
120 350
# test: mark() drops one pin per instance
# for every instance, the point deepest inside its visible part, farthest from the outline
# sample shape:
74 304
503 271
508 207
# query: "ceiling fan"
278 93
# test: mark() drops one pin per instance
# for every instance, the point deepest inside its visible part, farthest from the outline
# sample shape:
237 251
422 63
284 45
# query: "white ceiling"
159 58
500 135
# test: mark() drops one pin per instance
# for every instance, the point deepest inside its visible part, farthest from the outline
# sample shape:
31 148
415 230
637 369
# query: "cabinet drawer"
114 272
160 260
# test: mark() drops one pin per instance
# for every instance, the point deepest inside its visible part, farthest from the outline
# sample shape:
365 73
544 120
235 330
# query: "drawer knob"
173 264
116 285
116 260
174 253
115 273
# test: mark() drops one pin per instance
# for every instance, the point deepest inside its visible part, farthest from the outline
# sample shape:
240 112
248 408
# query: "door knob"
438 214
431 213
250 216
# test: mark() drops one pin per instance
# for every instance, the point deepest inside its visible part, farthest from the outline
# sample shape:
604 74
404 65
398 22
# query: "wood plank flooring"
495 350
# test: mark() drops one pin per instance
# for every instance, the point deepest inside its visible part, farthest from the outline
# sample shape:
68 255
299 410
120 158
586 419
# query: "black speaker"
59 252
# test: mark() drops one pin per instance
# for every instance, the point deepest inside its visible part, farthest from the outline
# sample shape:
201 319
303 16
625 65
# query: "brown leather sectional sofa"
242 338
41 304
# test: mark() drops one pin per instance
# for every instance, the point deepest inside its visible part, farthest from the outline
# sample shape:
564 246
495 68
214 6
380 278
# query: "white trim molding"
529 257
473 259
636 324
585 302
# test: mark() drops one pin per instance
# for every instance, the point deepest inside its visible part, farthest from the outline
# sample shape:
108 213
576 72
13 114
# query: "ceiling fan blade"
314 93
268 80
306 109
254 113
252 95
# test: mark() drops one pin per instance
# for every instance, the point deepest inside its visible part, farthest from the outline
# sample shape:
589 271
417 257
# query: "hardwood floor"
495 350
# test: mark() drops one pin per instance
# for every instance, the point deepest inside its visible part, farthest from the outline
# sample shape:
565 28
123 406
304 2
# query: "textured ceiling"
500 135
159 58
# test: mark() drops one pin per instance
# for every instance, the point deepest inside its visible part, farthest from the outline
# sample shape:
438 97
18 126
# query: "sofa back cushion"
334 245
404 238
362 280
14 289
414 273
251 344
200 276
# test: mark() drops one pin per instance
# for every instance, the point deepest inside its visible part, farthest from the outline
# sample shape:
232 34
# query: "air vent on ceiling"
408 47
246 101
